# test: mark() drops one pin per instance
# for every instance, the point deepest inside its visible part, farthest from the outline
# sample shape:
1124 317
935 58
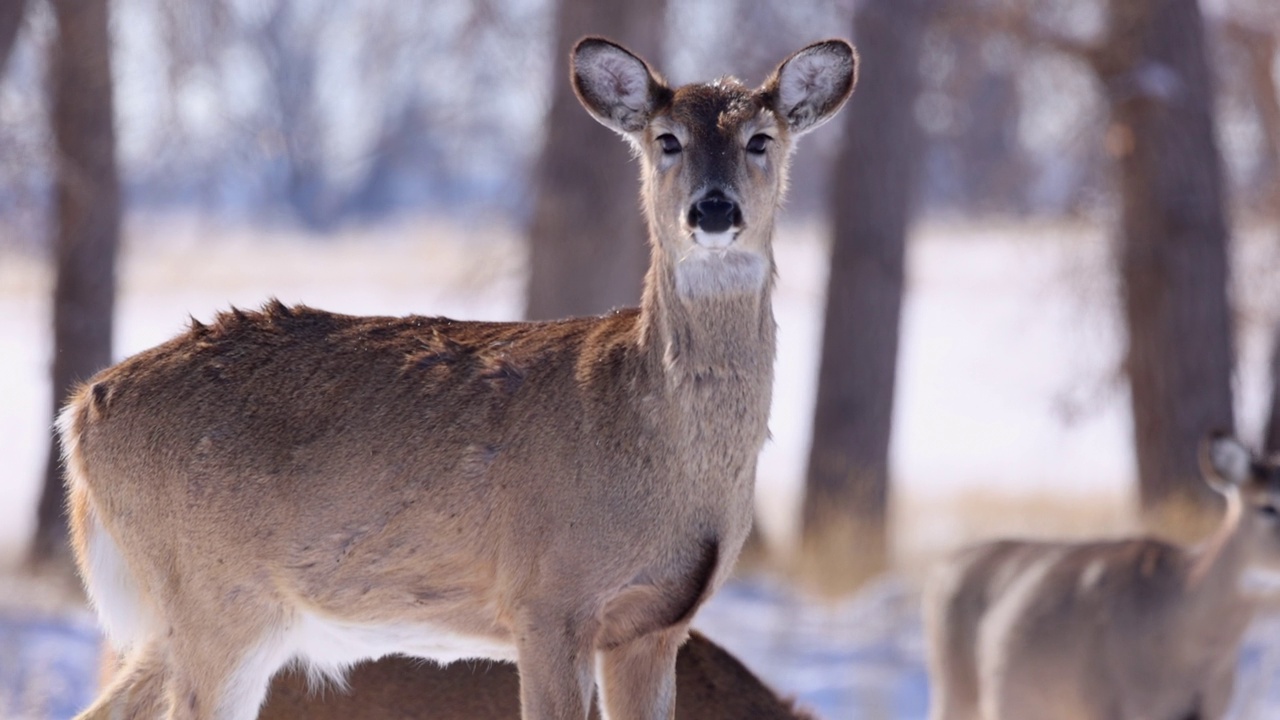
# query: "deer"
289 485
711 684
1131 628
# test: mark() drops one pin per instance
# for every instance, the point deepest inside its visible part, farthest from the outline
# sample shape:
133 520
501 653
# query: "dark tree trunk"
87 222
11 13
1271 436
1173 250
587 239
844 511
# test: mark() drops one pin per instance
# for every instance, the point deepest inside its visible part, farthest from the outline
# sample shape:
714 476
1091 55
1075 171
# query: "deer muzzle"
715 219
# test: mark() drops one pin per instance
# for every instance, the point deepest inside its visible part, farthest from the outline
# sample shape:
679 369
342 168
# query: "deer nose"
714 213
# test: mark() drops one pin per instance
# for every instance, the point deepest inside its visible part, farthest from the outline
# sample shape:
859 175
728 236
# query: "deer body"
1131 629
710 685
296 485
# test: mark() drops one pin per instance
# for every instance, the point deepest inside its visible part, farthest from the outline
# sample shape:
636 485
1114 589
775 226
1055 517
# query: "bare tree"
984 170
87 222
587 246
11 14
1153 67
1173 251
1271 435
844 523
288 47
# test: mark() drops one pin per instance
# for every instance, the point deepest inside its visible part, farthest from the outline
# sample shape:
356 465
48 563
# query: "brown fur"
550 492
1131 628
710 685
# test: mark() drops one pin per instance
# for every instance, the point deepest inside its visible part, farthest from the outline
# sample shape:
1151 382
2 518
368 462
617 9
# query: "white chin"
714 241
724 268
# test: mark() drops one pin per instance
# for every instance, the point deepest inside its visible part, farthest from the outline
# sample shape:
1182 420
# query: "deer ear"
615 86
1224 461
810 86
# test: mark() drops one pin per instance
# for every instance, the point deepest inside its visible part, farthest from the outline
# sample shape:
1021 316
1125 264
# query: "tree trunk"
844 511
87 222
588 251
1271 436
1173 250
11 14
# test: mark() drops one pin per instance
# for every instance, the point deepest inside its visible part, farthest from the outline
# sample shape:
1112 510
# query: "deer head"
714 156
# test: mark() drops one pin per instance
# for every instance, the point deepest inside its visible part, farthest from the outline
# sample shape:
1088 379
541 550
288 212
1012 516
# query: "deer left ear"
809 87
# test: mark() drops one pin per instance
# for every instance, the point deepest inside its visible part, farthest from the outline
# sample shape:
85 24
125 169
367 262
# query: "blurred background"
1031 263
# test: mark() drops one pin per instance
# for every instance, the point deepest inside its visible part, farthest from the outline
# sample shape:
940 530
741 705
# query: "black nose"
714 213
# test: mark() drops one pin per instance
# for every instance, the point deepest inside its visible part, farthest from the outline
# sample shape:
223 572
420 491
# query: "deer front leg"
553 651
638 679
136 690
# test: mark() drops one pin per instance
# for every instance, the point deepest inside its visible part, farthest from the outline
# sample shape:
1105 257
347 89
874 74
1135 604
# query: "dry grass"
926 528
46 591
840 559
923 529
165 255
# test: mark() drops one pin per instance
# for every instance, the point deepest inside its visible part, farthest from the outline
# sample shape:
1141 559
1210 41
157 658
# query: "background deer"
1133 628
710 685
293 484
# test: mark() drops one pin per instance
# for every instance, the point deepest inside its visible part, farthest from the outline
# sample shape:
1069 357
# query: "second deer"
296 485
711 684
1132 629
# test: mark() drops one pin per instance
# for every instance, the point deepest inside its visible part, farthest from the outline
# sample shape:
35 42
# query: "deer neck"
708 329
1219 564
710 317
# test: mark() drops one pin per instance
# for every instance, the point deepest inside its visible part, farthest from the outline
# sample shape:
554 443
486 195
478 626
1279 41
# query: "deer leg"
217 691
553 651
136 689
223 672
638 678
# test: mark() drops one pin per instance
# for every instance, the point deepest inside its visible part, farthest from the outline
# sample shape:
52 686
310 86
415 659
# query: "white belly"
329 647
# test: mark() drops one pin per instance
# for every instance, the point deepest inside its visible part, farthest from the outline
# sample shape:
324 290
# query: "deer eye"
758 144
1269 512
670 145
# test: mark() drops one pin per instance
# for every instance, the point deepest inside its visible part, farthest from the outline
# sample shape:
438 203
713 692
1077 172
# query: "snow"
1009 392
49 666
860 658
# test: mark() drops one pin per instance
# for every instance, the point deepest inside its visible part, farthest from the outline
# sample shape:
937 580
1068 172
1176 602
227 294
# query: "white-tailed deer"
294 485
711 684
1134 629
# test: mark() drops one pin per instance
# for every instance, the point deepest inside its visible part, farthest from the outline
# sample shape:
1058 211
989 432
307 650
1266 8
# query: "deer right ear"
615 86
1224 461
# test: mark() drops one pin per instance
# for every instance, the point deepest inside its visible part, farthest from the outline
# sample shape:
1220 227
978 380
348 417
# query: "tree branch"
1016 21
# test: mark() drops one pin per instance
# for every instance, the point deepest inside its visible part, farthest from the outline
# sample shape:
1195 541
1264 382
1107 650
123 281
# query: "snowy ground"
1010 416
857 660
